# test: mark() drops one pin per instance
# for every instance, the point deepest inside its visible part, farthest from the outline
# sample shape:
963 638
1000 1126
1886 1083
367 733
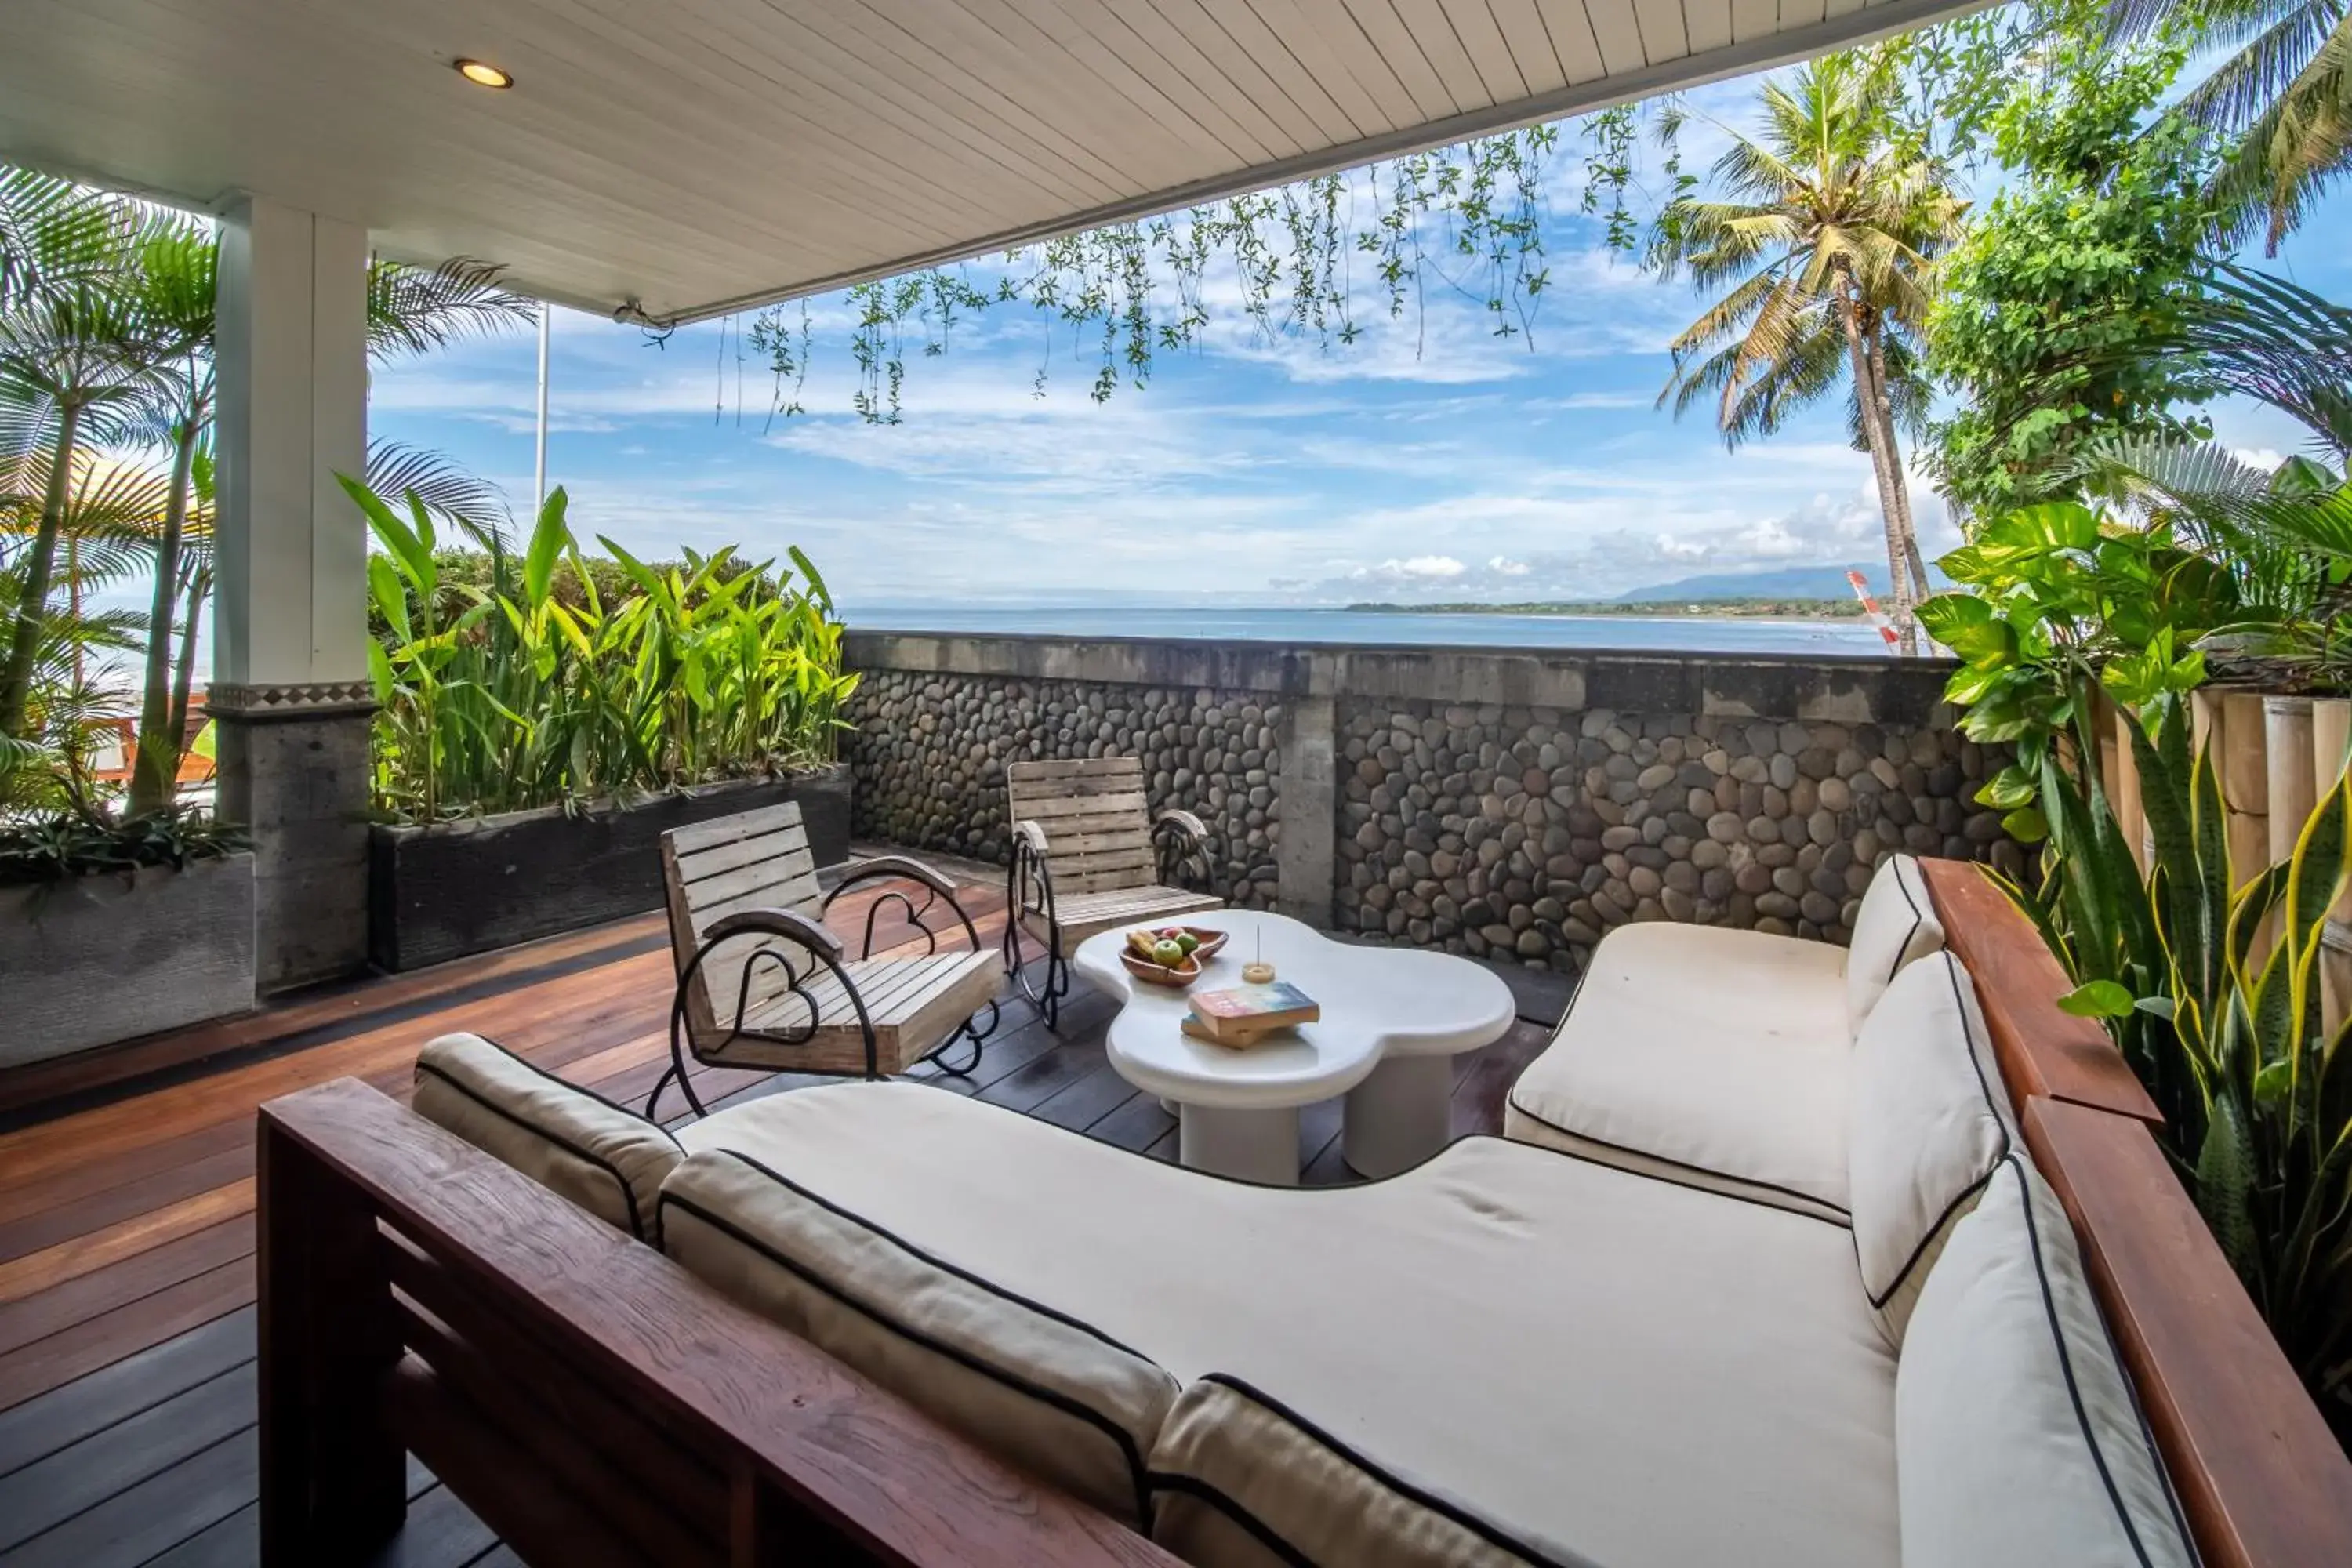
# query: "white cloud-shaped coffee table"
1393 1018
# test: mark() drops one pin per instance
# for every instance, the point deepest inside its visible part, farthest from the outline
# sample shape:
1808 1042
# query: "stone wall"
1531 831
1494 802
930 753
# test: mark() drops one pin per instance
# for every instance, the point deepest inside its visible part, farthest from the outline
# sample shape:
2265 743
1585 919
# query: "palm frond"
413 310
448 490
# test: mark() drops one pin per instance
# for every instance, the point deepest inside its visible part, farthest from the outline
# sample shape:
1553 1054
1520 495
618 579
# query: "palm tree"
1827 244
2285 99
107 325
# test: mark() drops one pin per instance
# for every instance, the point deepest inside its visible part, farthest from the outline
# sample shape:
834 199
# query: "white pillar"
289 666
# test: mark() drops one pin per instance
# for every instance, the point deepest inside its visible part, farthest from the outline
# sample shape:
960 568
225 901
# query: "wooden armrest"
816 1462
786 923
1031 834
1183 821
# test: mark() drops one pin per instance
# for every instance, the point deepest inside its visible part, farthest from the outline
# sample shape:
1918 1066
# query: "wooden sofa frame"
596 1404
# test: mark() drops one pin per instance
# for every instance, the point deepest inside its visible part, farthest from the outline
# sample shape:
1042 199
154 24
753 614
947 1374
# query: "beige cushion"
2019 1436
1239 1477
1930 1123
1596 1363
609 1161
1042 1389
1896 925
1707 1055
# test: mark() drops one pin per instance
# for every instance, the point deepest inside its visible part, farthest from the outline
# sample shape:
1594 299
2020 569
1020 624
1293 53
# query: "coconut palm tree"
1825 244
2283 100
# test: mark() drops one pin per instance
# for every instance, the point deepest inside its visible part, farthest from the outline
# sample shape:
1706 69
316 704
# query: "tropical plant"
86 840
1826 242
2053 307
2206 974
107 325
508 697
2283 102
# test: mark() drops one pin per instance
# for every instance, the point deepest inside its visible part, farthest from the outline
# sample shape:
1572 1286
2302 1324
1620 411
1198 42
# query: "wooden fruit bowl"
1152 974
1182 975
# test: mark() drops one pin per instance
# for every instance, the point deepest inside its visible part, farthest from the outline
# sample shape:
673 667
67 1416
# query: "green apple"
1168 953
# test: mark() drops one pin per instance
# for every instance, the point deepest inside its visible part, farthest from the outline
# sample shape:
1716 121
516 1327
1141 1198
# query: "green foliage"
1465 219
2282 104
507 695
2049 305
2056 601
87 842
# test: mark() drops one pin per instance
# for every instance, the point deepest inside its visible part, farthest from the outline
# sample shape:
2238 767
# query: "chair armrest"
905 866
1031 834
784 923
1183 821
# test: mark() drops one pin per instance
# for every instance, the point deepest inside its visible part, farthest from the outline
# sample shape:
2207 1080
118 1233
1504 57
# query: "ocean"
1630 633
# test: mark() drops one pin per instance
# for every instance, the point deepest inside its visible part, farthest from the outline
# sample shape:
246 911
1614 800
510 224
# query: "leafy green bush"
84 842
506 696
2205 973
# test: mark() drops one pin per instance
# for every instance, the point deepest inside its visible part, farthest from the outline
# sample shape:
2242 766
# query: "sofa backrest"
2018 1438
1927 1122
1897 925
607 1159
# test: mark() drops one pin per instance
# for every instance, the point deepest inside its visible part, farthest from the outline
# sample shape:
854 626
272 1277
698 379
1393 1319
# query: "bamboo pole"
2233 728
2331 737
2293 788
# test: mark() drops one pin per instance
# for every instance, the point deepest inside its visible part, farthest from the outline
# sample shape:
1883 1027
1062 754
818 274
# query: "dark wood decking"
127 1371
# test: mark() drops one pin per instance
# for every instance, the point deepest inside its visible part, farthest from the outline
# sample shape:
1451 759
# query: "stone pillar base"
293 771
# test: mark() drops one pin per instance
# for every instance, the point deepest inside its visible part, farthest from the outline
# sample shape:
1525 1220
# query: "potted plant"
112 927
537 734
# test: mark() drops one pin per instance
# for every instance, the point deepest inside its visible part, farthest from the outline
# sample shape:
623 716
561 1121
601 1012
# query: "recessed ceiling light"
483 75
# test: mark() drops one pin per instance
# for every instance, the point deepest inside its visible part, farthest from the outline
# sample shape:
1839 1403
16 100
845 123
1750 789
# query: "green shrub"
519 692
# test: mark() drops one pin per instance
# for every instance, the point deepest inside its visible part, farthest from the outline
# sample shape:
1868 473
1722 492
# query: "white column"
292 572
289 663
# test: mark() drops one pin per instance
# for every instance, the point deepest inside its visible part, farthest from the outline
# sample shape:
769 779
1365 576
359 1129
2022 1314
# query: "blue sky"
1429 460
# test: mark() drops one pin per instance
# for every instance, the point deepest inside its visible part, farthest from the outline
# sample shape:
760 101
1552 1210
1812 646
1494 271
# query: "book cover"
1278 1003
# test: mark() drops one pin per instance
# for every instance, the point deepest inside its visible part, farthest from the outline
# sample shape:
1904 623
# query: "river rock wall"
1530 832
930 751
1501 802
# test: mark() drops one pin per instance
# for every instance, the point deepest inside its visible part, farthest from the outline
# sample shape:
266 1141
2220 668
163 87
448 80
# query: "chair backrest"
1098 832
758 860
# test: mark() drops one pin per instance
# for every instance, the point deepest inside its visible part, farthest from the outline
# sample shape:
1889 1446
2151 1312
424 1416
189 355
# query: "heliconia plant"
715 670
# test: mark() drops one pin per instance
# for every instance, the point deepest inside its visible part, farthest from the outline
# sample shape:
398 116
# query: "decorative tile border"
317 700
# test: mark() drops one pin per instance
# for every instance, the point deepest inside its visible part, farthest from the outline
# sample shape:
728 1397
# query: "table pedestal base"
1255 1145
1398 1116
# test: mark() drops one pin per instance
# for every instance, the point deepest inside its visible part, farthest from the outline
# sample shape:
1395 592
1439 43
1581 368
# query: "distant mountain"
1787 583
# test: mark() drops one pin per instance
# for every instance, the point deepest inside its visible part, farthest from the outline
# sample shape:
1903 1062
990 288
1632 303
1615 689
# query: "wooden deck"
127 1373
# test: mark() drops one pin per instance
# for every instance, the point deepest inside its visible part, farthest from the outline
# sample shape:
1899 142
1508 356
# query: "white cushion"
1896 925
1597 1364
607 1159
2019 1437
1703 1054
1931 1123
1041 1389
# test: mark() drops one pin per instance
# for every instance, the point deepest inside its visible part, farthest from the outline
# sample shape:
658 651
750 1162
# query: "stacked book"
1246 1015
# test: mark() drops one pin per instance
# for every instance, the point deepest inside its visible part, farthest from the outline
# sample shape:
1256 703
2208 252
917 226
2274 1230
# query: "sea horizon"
1679 633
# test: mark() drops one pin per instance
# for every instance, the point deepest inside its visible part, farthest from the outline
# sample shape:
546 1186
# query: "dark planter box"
101 959
438 893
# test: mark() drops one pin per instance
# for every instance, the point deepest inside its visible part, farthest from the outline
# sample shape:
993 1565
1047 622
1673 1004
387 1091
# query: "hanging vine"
1468 220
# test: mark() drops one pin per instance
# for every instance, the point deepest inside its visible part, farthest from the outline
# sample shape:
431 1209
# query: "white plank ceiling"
692 156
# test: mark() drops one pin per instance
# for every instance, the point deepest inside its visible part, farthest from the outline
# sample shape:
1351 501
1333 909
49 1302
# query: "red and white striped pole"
1870 607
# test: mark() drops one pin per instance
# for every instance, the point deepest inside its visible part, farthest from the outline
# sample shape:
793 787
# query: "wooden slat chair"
761 984
1088 857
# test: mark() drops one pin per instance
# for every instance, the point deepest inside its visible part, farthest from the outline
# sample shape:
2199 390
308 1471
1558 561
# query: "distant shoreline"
1792 609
